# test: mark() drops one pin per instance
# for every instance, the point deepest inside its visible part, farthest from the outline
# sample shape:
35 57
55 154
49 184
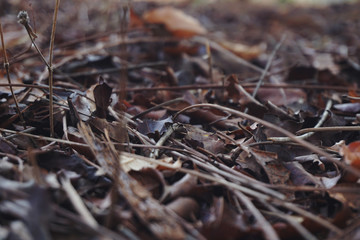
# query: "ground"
179 119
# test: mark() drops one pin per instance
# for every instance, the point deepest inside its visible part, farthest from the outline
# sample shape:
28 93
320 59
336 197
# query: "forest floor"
179 119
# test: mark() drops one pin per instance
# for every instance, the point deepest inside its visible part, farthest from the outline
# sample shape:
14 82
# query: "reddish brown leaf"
175 21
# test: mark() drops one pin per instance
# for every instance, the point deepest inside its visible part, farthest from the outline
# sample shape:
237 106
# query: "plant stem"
50 69
6 66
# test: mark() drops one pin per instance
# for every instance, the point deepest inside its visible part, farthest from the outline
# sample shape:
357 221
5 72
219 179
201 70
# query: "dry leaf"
352 154
175 21
136 162
244 51
325 61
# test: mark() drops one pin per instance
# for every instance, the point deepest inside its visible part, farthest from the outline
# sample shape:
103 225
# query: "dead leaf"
351 155
242 50
348 107
102 94
175 21
186 208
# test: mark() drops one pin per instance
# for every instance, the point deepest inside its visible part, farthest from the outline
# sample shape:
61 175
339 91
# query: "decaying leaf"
102 93
244 51
175 21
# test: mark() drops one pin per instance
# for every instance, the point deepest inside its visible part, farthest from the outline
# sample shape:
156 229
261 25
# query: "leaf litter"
239 121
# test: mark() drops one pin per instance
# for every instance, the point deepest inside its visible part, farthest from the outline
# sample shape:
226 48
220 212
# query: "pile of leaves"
226 120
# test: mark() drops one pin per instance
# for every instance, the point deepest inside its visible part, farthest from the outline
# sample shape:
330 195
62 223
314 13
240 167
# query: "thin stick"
266 70
35 168
194 86
245 85
50 69
43 138
6 66
250 192
268 65
250 97
305 144
170 102
306 234
329 129
77 202
231 56
155 152
230 174
113 70
309 134
208 52
268 231
25 21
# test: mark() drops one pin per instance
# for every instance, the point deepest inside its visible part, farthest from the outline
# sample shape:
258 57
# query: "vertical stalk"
6 66
50 69
208 52
125 5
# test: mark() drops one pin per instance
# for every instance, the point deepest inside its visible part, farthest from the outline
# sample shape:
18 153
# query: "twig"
6 66
250 97
268 65
247 191
162 140
116 164
231 56
113 70
268 230
51 70
23 18
176 100
309 134
40 86
309 215
266 70
116 168
100 231
353 98
211 178
209 58
329 129
306 234
244 85
35 167
77 202
43 138
280 130
232 175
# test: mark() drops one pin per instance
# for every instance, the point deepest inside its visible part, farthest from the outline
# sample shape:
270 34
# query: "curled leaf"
175 21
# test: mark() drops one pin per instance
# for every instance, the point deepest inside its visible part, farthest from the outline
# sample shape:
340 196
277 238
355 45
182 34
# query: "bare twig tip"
23 17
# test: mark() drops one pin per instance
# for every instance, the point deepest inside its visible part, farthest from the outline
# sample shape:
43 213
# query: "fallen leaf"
135 162
175 21
149 126
325 61
242 50
348 107
102 94
185 207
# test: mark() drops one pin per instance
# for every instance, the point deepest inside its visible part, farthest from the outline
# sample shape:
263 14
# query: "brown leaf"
175 21
242 50
351 154
185 207
102 94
